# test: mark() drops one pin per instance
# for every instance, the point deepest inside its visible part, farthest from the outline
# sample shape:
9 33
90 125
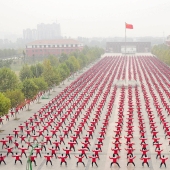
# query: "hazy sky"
88 18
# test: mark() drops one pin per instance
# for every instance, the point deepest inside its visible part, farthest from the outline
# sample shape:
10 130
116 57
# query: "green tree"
41 84
29 89
63 71
50 74
5 105
16 98
74 64
8 79
25 73
63 57
37 70
53 60
162 51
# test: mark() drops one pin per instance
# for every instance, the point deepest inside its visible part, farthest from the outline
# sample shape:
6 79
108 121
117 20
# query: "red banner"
128 26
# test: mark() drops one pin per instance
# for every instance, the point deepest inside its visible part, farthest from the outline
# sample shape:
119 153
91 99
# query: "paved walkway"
109 70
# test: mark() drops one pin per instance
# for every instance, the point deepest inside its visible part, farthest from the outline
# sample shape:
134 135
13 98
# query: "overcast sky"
88 18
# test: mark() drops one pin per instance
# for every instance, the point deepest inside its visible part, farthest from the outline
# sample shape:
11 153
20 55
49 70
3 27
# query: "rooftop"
58 41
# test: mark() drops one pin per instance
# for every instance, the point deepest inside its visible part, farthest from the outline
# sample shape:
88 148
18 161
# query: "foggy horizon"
87 18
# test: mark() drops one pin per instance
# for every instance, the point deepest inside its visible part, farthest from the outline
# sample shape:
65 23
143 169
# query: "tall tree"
16 98
63 71
29 89
41 84
50 74
4 105
53 60
25 73
8 79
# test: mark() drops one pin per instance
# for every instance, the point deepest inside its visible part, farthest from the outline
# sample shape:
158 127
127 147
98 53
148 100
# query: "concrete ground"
104 162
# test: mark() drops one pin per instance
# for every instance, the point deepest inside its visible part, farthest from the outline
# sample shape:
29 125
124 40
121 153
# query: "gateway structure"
128 47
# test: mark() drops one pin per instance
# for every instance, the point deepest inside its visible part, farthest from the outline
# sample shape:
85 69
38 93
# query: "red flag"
129 26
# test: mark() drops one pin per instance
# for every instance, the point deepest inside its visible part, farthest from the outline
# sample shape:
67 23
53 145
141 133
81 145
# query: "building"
131 47
43 31
48 31
52 47
30 34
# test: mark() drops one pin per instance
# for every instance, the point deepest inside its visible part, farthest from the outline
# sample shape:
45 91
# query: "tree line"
5 53
33 80
162 51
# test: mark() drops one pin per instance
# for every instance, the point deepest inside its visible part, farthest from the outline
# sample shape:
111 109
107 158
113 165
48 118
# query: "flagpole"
127 58
125 38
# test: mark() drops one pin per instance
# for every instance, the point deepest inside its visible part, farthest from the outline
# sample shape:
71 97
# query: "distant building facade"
48 31
131 47
30 34
52 47
43 31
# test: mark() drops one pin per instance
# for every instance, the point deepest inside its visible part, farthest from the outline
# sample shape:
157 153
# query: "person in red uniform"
16 132
145 160
129 151
28 132
96 152
57 144
74 137
22 138
53 131
67 151
48 158
38 151
32 159
1 120
157 145
2 159
43 144
144 151
100 139
158 152
93 159
131 160
40 132
3 141
21 127
48 139
83 151
63 159
65 131
61 139
163 159
23 151
114 160
7 117
116 150
9 150
71 143
29 144
17 158
86 143
9 138
12 113
53 151
99 145
80 159
16 144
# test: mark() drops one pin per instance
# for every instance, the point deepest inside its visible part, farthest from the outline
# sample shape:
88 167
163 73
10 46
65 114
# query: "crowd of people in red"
82 111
